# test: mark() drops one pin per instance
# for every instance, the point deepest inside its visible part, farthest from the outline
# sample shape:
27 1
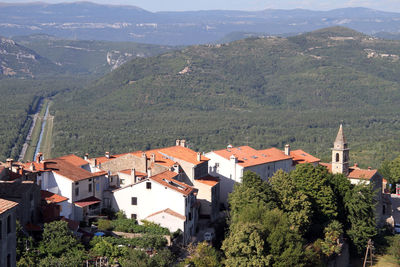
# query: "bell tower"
340 154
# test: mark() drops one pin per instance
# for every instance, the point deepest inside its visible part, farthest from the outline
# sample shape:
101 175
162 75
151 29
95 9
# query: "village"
174 187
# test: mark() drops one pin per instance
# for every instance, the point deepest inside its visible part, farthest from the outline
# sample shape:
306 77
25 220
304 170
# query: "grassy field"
386 261
35 134
46 144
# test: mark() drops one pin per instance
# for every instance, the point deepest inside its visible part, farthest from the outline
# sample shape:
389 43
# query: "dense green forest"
259 91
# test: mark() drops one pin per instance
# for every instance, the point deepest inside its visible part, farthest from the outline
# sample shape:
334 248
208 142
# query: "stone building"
8 241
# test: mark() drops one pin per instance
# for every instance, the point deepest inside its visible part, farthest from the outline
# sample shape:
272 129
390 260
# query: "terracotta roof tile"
74 160
6 205
299 156
248 156
168 211
208 180
166 179
50 197
87 201
357 173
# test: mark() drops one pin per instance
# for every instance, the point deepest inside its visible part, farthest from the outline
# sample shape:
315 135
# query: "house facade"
8 243
161 199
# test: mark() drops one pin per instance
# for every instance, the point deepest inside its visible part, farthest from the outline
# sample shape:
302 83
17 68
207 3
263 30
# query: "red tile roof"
75 160
50 197
166 179
248 156
169 211
357 173
69 167
87 201
6 205
354 172
129 171
299 156
208 180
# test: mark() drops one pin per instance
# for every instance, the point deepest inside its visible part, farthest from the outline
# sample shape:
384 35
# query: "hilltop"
258 91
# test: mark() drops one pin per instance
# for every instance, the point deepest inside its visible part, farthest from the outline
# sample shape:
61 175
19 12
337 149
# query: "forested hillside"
259 91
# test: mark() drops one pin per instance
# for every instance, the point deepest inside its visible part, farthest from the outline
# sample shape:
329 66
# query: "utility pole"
370 247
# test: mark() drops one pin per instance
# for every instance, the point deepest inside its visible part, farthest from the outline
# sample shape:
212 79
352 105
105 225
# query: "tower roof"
340 136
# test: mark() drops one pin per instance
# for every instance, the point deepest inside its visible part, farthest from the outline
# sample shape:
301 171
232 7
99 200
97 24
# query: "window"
190 216
148 185
134 200
90 188
77 191
97 187
8 260
337 157
133 216
9 224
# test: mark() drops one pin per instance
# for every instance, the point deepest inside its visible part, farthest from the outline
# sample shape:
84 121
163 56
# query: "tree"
340 185
360 206
246 246
57 239
292 201
314 182
252 191
203 255
331 244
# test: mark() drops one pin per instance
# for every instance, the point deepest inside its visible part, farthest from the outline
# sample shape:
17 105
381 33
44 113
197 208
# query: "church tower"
340 154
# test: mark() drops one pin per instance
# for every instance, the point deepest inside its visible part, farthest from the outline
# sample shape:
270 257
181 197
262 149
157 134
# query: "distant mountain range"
89 21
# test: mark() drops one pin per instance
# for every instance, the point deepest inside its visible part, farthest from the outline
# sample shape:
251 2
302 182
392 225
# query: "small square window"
134 200
148 185
77 191
133 216
90 188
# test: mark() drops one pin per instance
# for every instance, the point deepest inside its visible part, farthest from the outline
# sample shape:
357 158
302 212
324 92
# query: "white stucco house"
71 177
161 199
229 164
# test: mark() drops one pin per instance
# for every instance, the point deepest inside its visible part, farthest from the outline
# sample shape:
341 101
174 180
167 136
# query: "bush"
104 225
394 248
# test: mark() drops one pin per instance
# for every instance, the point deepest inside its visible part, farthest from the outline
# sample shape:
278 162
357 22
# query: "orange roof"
357 173
248 156
87 201
51 197
299 156
208 180
354 172
129 171
75 160
101 160
169 211
182 153
166 179
6 205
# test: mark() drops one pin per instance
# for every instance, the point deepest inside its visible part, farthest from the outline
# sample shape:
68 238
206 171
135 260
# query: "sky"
184 5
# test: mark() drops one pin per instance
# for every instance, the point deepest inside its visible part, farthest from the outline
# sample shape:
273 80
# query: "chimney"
369 168
107 155
95 162
10 163
287 150
133 176
183 143
356 165
198 156
39 157
148 172
229 147
32 167
152 158
144 159
178 142
86 157
176 168
233 159
45 165
20 170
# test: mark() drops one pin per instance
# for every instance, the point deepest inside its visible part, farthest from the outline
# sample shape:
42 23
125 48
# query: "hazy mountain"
94 57
258 91
19 61
88 21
